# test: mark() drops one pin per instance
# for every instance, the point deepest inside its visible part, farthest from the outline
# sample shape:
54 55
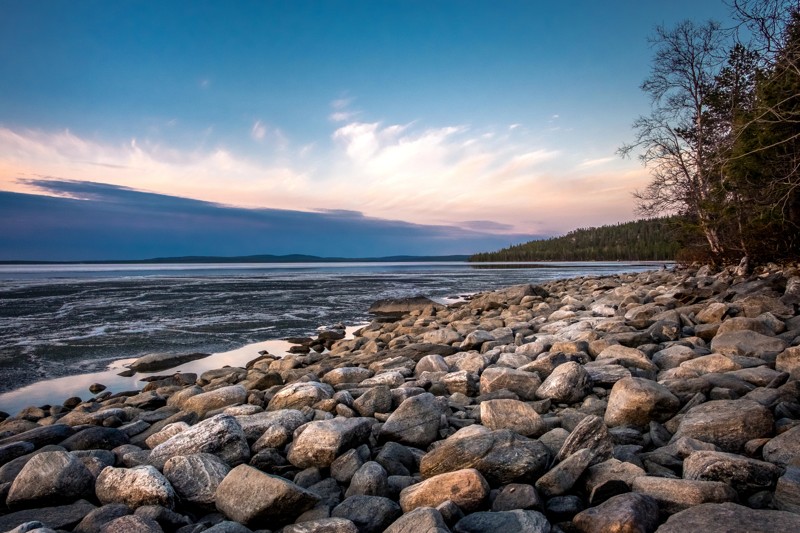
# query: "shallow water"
70 320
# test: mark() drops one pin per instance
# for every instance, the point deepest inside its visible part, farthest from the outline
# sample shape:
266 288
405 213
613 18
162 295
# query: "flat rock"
515 415
675 495
254 498
206 402
500 456
196 477
748 343
782 449
160 361
742 473
59 517
322 441
96 438
50 478
523 384
415 422
219 435
507 521
137 486
466 488
736 519
728 424
400 306
41 436
625 513
637 401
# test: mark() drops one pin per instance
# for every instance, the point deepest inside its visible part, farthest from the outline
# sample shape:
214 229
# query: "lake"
65 321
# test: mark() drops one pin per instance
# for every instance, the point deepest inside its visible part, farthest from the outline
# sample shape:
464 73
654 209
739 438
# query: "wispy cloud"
258 131
596 162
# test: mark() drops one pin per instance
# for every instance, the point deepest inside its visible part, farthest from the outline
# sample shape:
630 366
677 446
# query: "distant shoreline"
292 258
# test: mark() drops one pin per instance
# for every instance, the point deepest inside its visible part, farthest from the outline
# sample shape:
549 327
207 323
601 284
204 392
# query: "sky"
371 127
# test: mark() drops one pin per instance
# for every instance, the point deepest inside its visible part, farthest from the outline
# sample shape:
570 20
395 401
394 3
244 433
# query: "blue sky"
497 117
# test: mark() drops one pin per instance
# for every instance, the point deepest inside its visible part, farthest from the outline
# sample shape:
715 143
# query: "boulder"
515 415
95 520
283 421
637 401
491 522
96 438
736 518
131 524
523 384
50 478
401 306
500 456
299 395
196 477
675 495
625 513
787 491
420 520
255 499
160 361
568 383
205 402
58 517
41 436
789 361
371 514
370 479
748 343
466 488
784 448
742 473
562 477
591 433
219 435
415 422
322 525
728 424
137 486
322 441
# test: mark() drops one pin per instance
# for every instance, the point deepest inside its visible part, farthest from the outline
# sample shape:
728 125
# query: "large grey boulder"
782 449
254 498
205 402
590 433
515 415
58 517
736 519
728 424
161 361
560 479
492 522
625 513
219 435
299 395
50 478
420 520
284 421
568 383
415 422
523 384
135 487
371 514
637 401
742 473
196 477
500 456
466 488
322 441
322 525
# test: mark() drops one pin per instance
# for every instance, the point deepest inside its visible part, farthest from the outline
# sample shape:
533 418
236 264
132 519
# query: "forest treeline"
641 240
722 140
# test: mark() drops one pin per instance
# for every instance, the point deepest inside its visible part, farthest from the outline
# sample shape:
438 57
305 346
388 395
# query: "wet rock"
626 513
205 402
636 401
371 514
500 456
515 415
322 441
675 495
466 488
743 474
134 487
50 478
160 361
219 435
254 498
401 306
736 518
728 424
568 383
415 422
491 522
196 477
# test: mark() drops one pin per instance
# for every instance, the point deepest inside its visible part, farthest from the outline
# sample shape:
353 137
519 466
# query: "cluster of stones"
666 401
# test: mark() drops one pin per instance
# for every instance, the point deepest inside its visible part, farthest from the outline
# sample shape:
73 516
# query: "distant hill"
642 240
266 258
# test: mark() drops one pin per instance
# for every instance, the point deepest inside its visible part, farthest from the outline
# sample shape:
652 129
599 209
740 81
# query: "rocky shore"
666 401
